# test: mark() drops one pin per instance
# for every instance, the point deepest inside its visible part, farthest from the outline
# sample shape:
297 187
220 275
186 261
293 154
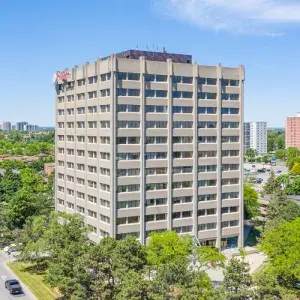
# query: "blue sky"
39 37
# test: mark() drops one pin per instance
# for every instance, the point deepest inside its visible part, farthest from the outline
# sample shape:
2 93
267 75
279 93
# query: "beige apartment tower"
148 141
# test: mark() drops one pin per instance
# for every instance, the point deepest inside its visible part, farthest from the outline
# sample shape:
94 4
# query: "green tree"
68 242
168 246
295 169
282 246
281 154
272 186
237 283
250 152
207 256
251 205
281 209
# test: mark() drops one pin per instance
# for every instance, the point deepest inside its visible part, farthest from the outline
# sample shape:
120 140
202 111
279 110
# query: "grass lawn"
35 282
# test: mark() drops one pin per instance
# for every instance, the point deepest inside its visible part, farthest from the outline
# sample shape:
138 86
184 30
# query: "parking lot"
265 176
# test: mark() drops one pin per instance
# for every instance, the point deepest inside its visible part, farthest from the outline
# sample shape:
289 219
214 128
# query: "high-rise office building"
255 137
292 131
20 126
151 141
6 126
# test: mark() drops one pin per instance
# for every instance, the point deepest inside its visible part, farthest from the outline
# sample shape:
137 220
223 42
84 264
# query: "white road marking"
3 278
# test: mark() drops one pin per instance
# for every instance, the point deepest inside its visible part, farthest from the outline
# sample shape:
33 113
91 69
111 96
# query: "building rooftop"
155 56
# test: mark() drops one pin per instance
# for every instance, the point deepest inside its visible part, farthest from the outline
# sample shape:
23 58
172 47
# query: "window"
157 78
104 219
128 108
92 154
92 139
211 81
182 109
92 214
80 152
92 95
105 77
156 186
92 169
128 188
80 167
182 94
184 199
92 109
207 110
104 124
92 199
127 140
207 154
105 155
156 155
81 96
92 124
128 76
204 183
229 111
105 171
128 92
128 172
182 184
81 124
156 140
156 124
207 139
105 187
128 124
208 226
104 202
157 201
207 197
92 79
182 124
105 108
156 109
81 82
128 156
104 140
207 168
70 151
156 93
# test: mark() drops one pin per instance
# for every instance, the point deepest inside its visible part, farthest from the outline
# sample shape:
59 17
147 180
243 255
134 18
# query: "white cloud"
265 17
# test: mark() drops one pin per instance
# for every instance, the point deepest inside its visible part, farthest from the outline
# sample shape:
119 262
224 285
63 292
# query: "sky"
38 38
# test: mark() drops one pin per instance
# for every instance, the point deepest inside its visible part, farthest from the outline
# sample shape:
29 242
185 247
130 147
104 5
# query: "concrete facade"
255 137
292 131
146 145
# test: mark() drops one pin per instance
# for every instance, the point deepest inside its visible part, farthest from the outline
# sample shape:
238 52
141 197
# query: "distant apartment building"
292 131
6 126
31 128
147 142
13 127
20 126
255 137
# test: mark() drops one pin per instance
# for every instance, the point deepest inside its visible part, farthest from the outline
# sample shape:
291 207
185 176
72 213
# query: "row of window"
150 155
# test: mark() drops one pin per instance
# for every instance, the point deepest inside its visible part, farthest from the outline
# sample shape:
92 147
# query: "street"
5 274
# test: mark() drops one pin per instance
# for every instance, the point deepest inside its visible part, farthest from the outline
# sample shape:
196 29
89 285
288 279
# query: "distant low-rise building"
49 168
292 131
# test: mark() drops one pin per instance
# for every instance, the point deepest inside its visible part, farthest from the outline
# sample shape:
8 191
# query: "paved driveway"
5 274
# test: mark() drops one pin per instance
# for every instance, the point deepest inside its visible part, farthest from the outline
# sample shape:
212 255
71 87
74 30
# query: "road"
5 274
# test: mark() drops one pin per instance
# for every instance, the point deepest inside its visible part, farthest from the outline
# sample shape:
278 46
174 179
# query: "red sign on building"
64 75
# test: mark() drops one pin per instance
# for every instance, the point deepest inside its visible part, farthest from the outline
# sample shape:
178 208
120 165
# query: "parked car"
278 171
253 166
268 170
259 180
13 286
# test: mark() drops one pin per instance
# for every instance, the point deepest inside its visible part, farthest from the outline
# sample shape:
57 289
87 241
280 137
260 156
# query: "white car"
6 249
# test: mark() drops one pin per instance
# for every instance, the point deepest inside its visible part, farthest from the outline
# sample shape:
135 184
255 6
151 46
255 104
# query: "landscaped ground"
35 282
